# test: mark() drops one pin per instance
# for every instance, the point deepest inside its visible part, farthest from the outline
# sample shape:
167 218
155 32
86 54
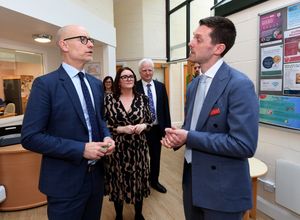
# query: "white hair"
146 60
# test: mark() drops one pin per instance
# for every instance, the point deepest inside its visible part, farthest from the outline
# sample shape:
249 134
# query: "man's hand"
174 137
109 145
92 151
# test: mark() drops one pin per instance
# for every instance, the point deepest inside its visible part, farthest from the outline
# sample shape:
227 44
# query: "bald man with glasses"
64 122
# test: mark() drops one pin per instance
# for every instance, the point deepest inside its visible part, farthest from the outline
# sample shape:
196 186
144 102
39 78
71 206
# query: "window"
178 29
18 69
227 7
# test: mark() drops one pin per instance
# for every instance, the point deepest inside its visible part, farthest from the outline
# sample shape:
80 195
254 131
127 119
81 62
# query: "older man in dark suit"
220 129
159 106
64 122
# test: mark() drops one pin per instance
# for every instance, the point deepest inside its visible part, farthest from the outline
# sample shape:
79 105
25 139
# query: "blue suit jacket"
162 104
54 126
226 135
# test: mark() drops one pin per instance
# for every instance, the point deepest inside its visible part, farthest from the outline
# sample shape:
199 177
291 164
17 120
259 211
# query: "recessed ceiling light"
42 38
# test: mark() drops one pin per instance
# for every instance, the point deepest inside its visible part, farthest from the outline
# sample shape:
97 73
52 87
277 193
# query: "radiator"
288 185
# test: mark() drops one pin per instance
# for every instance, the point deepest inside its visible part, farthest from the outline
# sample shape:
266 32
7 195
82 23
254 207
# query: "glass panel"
174 3
18 69
159 74
194 18
178 34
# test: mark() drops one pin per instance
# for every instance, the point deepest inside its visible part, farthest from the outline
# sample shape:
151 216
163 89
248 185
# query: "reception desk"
19 173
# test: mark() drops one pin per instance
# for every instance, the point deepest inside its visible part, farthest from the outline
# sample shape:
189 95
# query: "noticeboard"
279 69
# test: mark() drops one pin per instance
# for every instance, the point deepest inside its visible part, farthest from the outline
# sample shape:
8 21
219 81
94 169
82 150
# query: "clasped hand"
174 137
96 150
132 129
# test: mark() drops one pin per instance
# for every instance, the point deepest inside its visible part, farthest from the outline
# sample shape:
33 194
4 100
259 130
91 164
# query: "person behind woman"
127 169
108 84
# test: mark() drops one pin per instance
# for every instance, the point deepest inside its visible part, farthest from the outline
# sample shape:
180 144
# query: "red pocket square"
214 111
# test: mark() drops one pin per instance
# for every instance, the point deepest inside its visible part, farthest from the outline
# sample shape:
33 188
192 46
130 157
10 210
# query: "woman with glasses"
127 169
108 84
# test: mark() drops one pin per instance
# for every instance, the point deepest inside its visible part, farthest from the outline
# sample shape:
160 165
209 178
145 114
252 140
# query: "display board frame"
279 67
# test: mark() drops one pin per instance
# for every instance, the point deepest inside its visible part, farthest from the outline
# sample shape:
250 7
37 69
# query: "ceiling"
19 27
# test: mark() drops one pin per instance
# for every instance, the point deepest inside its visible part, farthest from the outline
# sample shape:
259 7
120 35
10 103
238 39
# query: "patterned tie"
151 103
199 99
90 109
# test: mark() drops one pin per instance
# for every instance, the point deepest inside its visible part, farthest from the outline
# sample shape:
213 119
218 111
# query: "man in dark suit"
64 122
161 117
196 70
221 135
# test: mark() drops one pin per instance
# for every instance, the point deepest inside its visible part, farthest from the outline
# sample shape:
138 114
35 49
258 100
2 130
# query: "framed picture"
94 69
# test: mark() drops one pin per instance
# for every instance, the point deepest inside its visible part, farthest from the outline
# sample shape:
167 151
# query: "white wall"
154 29
102 10
274 143
129 30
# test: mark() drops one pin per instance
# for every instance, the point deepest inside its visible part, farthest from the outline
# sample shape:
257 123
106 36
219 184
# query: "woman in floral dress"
127 169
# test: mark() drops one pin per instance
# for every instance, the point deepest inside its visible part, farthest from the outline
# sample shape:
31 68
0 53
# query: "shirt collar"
211 72
146 83
71 71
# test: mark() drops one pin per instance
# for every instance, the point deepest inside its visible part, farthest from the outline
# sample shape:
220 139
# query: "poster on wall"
272 85
94 69
271 60
271 28
293 16
280 110
291 85
292 46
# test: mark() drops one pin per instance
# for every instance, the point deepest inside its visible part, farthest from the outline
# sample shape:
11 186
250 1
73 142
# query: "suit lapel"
158 92
72 93
216 89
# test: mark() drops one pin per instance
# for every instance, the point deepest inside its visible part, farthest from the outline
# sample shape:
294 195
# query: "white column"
109 60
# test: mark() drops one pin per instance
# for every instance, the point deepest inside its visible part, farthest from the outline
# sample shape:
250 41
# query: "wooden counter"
19 173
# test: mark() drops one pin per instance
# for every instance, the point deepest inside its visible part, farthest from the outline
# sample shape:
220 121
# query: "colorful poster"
280 110
291 82
271 28
293 16
272 85
271 60
292 46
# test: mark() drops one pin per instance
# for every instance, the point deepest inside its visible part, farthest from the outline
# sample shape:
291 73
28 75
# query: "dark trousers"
86 205
192 212
153 140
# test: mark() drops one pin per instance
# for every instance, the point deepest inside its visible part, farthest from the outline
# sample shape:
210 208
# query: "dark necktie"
90 109
151 103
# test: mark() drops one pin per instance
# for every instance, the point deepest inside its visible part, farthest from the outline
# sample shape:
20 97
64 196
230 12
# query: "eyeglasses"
83 39
196 67
127 77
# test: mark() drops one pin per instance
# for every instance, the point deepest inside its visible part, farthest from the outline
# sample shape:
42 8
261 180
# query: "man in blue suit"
220 136
161 118
64 122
